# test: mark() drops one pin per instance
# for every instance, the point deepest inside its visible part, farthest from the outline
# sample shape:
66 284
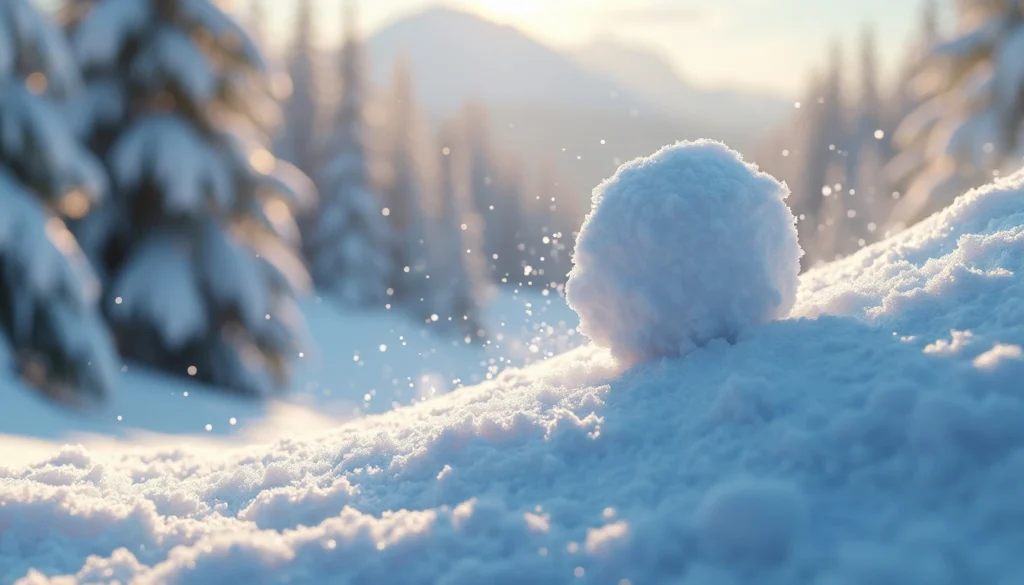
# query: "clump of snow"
688 245
750 521
876 439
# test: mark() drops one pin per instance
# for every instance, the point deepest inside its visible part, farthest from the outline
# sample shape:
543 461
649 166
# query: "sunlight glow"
508 8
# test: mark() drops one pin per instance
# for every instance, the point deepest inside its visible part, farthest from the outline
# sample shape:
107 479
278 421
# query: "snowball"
685 246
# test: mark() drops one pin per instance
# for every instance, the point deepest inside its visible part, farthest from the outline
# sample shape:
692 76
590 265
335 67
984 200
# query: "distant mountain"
652 78
457 56
545 106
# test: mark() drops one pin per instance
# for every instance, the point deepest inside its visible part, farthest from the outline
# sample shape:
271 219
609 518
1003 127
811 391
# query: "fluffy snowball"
685 246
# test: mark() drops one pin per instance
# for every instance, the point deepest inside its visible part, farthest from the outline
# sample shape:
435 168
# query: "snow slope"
875 437
348 375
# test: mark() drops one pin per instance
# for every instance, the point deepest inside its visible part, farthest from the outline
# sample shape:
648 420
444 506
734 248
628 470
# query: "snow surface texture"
875 439
688 245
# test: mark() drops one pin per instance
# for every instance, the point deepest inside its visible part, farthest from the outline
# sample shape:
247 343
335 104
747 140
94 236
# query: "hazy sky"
767 45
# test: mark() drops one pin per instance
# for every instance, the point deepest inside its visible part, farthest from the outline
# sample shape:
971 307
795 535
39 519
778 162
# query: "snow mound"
863 444
688 245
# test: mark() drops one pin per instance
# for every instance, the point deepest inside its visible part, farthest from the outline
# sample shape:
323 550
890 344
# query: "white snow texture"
858 442
688 245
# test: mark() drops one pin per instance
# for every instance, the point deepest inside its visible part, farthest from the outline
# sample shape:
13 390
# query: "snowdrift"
876 436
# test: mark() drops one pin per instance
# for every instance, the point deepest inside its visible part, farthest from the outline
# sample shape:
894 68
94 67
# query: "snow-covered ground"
874 437
365 362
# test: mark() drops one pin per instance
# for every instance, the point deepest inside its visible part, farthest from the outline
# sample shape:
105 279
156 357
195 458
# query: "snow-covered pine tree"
553 215
494 200
298 140
869 204
909 142
198 243
907 99
869 114
456 263
50 329
255 21
517 242
972 125
405 196
348 239
822 164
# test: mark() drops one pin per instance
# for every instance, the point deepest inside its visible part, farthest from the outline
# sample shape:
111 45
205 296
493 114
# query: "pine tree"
406 195
869 204
497 198
256 23
907 97
554 214
869 116
348 240
197 245
823 165
517 248
298 140
972 125
909 143
49 327
456 264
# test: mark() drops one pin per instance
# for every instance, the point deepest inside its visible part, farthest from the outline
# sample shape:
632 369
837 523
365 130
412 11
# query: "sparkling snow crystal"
685 246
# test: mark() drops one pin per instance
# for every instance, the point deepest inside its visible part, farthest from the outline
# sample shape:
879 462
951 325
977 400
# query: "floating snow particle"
36 83
209 427
879 134
232 421
192 371
682 247
118 300
383 348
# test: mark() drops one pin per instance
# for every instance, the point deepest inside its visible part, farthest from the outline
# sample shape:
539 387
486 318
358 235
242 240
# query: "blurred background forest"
177 175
